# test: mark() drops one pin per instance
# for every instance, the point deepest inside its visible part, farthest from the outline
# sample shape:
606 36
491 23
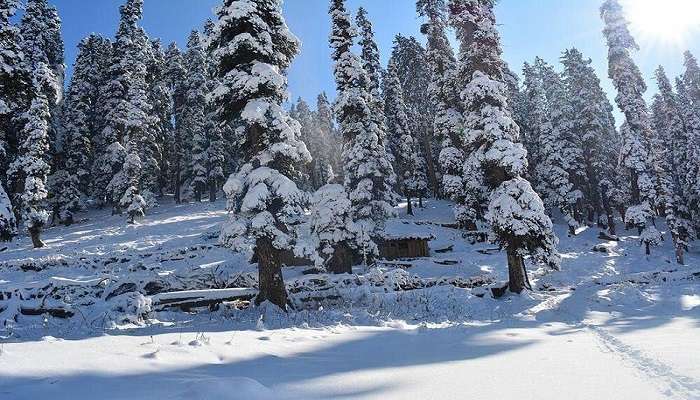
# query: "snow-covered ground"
613 324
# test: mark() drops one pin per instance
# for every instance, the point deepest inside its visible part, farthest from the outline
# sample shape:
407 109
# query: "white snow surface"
612 324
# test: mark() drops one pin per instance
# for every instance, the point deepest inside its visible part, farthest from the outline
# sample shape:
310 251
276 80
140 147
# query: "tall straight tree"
216 147
515 212
444 98
637 130
414 74
175 74
596 129
670 143
194 115
14 81
369 176
410 166
254 48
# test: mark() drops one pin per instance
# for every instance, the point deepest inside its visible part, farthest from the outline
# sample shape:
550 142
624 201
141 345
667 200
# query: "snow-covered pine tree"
29 171
127 182
691 121
215 152
368 174
561 163
414 74
194 117
332 156
254 48
596 130
636 131
370 52
669 145
159 98
130 119
535 120
410 167
8 223
175 74
331 227
71 181
14 81
515 212
444 98
301 112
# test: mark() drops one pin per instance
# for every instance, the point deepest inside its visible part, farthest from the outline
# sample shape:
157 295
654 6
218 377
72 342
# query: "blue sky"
529 28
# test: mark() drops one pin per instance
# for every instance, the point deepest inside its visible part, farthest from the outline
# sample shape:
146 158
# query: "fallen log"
187 300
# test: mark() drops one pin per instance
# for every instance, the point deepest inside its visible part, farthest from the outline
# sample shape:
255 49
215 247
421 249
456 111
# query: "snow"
614 324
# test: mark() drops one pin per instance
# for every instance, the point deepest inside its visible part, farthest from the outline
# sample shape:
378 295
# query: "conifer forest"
435 223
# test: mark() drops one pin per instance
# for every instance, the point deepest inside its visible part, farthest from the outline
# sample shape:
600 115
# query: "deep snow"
610 325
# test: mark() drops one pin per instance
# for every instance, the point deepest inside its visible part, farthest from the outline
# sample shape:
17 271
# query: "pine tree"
414 74
127 182
14 83
215 151
410 166
669 145
515 212
262 195
368 174
691 121
193 116
331 227
70 183
301 112
331 159
8 223
561 163
636 131
370 52
159 98
175 73
595 128
444 98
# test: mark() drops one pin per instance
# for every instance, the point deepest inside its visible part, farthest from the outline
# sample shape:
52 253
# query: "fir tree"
370 52
636 131
561 164
368 174
593 124
193 115
254 48
444 98
159 98
175 73
691 122
410 166
14 83
331 227
331 159
669 145
8 223
215 151
414 74
515 212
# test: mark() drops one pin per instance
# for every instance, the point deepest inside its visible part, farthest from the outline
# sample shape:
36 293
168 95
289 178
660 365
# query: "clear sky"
529 28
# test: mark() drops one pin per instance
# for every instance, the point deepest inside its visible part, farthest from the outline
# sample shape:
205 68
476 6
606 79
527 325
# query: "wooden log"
189 299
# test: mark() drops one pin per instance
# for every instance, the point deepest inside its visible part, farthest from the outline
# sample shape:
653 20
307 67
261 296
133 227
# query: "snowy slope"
610 325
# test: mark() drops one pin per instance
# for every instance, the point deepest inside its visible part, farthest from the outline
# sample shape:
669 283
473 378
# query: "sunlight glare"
668 22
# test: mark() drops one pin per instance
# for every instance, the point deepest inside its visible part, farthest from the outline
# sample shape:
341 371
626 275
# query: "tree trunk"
213 188
680 254
648 248
178 198
270 281
341 261
516 271
35 233
432 173
409 210
420 202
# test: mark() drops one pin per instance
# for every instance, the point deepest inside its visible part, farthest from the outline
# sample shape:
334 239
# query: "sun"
670 22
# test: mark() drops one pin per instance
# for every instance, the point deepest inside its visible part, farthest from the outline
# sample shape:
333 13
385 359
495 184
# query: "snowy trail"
672 384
